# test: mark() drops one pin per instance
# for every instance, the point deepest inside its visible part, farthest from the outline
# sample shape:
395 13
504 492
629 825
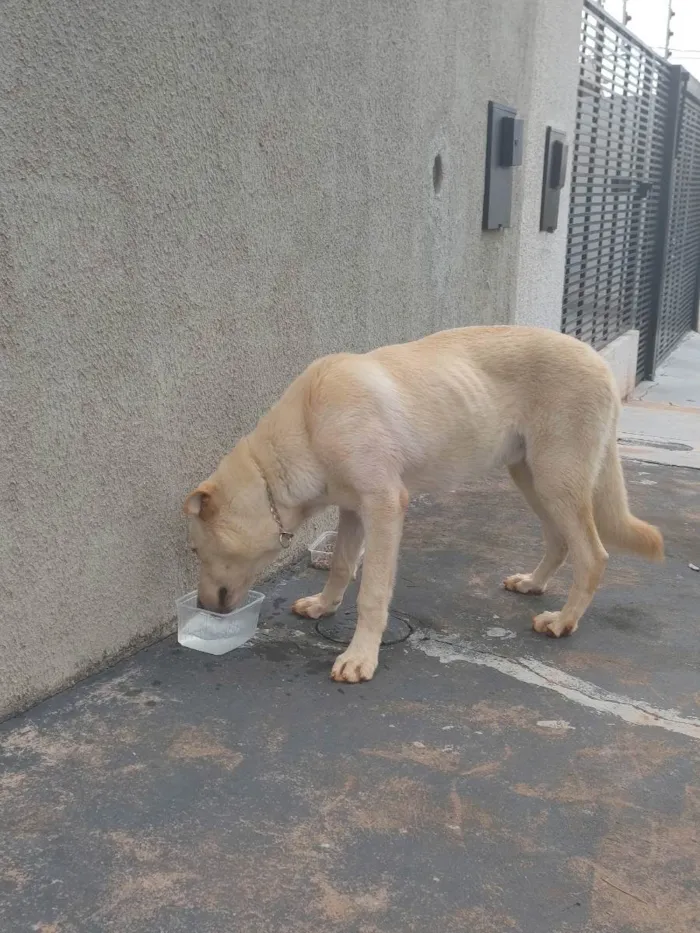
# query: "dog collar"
285 536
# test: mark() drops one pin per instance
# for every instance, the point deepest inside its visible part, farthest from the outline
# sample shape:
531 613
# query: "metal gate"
623 270
679 295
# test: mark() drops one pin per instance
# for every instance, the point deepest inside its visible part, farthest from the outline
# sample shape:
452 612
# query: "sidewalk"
661 422
489 780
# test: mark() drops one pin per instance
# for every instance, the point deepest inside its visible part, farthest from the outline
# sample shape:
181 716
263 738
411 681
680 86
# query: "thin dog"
364 432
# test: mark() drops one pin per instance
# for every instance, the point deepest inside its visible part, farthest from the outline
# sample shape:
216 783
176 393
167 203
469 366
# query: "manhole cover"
340 628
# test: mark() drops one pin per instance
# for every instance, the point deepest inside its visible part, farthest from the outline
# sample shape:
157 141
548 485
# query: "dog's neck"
285 537
291 473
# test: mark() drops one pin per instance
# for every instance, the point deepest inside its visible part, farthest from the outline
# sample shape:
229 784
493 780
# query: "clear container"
214 632
321 552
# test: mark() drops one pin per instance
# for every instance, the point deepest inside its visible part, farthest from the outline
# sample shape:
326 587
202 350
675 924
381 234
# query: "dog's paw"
313 607
522 583
353 666
553 624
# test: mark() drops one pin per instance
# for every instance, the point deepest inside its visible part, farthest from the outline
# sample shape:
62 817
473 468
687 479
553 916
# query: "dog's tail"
616 525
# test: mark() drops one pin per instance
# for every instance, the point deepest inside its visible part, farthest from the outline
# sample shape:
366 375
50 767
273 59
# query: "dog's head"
232 532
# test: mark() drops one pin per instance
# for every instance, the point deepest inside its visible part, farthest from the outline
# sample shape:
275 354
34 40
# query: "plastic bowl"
214 632
321 552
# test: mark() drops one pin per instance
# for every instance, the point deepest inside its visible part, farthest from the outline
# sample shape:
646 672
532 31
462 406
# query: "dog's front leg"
346 552
382 517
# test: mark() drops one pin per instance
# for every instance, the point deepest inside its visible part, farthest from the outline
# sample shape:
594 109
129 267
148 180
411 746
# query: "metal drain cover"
340 628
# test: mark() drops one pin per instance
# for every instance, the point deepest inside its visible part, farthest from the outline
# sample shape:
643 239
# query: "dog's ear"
199 502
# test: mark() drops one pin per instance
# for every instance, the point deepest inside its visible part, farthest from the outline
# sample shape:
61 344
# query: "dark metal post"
663 229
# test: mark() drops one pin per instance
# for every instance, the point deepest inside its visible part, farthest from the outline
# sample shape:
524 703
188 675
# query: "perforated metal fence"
634 213
679 294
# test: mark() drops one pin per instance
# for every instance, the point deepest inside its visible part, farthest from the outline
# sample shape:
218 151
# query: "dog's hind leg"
569 503
555 544
346 553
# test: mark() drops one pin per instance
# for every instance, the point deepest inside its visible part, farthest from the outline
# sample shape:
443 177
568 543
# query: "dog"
366 431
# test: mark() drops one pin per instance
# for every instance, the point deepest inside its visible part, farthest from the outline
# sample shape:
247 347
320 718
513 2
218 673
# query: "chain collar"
285 536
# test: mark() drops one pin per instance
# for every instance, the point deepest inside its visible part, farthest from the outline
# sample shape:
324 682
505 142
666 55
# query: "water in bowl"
216 635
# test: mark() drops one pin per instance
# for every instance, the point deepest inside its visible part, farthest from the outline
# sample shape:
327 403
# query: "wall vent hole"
437 174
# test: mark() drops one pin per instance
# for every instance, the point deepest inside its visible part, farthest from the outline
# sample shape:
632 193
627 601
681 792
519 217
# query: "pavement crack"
624 891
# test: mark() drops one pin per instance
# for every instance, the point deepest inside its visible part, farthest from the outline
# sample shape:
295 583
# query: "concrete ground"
488 780
661 421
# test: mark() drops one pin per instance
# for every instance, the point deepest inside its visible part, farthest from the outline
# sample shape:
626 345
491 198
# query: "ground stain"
638 877
196 743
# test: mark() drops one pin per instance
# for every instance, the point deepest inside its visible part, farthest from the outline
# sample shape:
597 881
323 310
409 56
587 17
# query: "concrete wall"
195 201
621 357
554 85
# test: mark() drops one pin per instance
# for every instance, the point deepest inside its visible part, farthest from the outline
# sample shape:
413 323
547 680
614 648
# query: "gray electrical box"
504 151
556 155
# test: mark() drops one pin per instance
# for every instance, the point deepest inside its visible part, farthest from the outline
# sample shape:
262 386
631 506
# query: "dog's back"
454 404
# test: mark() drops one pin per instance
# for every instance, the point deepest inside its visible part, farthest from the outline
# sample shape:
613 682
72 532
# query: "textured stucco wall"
553 87
195 201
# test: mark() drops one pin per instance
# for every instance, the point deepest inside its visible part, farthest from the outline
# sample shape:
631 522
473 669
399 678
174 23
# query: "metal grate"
616 196
679 293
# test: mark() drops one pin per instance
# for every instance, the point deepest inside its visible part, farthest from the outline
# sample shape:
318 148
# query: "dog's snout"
221 603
